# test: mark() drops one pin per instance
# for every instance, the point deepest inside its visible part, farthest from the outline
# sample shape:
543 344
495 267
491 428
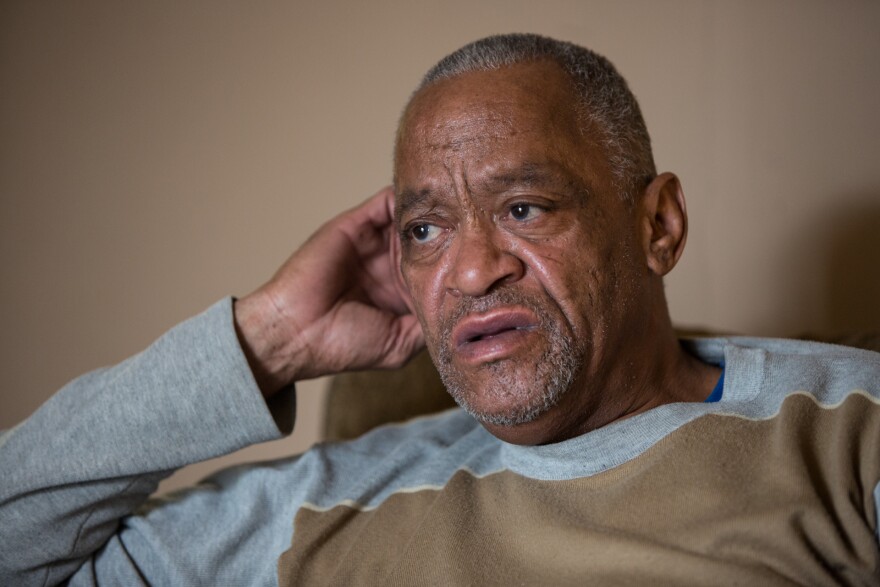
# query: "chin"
510 394
543 429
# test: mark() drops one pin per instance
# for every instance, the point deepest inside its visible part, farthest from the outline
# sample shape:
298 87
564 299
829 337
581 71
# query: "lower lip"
494 348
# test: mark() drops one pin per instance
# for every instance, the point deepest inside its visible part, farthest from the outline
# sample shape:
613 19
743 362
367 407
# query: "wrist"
264 342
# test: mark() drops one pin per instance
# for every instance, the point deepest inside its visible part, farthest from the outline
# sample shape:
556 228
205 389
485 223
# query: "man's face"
523 263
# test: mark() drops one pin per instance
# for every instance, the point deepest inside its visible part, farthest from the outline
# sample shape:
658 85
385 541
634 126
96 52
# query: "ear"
663 223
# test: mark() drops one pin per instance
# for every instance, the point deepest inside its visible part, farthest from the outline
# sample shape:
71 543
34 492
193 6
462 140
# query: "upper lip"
476 326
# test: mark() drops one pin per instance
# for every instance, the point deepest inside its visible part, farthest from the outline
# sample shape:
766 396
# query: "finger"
368 225
378 209
391 201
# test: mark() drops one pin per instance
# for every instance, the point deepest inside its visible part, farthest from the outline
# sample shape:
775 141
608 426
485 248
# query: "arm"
98 448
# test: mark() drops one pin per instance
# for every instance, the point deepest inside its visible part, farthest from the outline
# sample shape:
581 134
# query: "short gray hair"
606 102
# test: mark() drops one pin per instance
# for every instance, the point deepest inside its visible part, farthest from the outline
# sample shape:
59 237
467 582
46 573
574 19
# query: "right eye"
424 233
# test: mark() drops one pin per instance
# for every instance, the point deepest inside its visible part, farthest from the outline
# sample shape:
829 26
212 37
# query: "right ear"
665 223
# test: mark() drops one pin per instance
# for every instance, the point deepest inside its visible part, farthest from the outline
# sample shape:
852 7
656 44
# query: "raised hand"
335 305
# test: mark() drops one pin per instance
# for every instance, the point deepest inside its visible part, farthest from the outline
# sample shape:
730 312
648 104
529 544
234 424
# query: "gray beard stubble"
553 372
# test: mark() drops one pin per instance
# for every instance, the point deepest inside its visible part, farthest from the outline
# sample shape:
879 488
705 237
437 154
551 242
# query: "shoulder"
422 453
426 439
768 370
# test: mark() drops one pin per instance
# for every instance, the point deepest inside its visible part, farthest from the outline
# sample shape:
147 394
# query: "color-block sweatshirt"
775 484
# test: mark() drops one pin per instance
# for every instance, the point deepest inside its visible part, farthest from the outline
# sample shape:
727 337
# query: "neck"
656 371
647 368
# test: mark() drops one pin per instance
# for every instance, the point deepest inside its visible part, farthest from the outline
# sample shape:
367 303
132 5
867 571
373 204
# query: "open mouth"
493 334
494 325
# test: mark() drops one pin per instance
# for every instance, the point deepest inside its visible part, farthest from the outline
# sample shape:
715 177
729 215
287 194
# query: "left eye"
524 211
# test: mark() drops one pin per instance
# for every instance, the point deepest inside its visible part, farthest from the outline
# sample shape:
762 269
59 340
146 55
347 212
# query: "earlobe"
664 223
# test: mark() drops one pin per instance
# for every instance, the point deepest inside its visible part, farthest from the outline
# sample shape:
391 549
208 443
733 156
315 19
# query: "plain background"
157 156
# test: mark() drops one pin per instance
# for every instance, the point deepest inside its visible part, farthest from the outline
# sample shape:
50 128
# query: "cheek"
571 273
559 265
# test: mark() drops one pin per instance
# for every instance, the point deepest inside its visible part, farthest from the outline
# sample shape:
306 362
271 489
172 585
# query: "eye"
424 233
524 211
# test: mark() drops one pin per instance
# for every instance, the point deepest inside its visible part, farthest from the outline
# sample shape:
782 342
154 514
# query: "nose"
481 262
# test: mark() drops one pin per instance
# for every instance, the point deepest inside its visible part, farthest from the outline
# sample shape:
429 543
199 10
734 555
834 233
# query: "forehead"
536 94
490 120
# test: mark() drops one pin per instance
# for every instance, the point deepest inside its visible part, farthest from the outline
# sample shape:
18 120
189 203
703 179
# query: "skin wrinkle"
548 396
553 372
558 365
527 176
577 266
606 110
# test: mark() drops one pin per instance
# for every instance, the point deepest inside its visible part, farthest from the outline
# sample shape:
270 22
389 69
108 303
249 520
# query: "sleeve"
98 448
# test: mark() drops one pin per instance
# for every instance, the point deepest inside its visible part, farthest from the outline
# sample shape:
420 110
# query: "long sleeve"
97 449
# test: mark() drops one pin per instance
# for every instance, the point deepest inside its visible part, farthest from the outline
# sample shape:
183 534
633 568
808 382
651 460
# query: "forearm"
267 343
97 449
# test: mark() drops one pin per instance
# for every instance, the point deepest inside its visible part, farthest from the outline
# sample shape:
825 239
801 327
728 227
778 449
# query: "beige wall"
156 156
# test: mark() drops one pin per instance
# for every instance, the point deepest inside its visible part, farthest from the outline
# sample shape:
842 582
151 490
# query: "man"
524 242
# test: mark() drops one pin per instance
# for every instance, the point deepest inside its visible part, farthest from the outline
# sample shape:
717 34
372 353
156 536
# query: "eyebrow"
408 199
527 175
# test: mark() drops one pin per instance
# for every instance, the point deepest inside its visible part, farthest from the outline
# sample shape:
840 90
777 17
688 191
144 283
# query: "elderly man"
524 242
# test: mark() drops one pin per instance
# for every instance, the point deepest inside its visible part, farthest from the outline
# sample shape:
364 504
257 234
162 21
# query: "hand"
336 304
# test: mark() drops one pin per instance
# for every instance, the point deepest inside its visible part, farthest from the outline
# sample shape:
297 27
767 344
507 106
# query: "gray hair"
606 103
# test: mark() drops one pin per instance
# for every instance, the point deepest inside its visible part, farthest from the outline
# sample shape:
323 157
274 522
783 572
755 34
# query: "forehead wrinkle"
430 197
532 175
457 170
462 128
455 132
